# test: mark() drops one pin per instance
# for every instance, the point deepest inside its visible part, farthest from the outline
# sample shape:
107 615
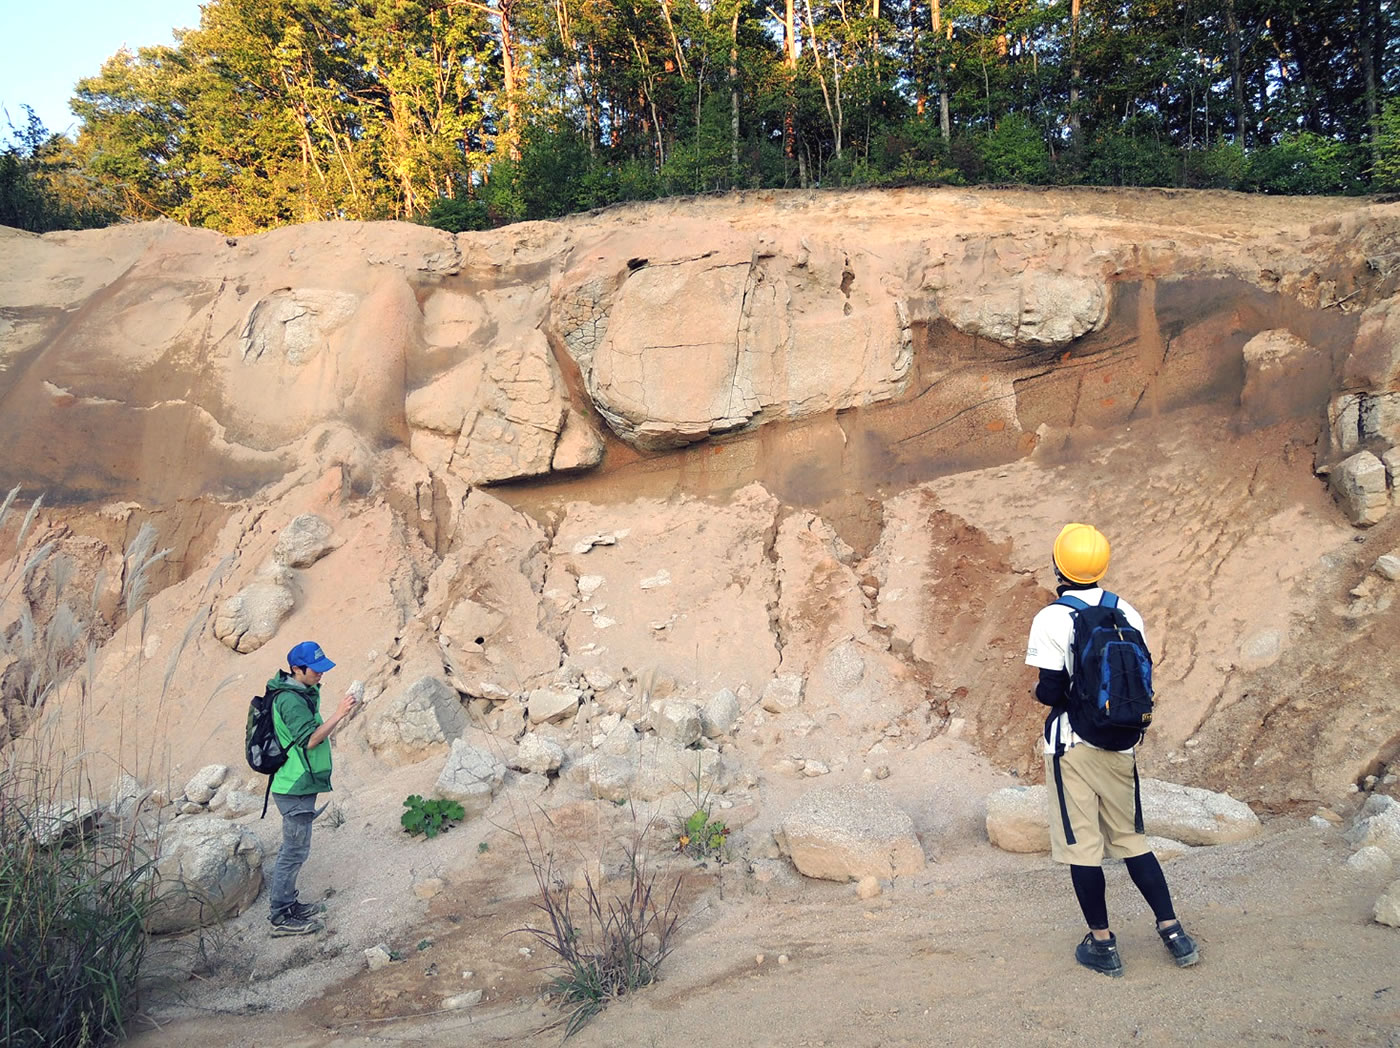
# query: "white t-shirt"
1052 637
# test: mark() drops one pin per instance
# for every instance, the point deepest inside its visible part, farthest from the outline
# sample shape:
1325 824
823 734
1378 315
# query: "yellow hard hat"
1081 553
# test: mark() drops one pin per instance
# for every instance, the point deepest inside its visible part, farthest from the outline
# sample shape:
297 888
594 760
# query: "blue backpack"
1110 692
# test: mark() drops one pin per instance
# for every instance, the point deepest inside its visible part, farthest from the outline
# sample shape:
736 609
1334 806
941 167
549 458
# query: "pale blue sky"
47 47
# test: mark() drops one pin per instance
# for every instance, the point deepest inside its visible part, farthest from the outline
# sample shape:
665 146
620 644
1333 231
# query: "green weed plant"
700 836
430 817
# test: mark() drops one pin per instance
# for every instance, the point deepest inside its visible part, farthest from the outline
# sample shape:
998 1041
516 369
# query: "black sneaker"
1182 946
286 922
1100 955
306 910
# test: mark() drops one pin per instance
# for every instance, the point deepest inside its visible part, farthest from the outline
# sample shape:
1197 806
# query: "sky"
47 47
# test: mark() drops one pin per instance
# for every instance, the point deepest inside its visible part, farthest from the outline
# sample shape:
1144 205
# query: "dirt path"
976 950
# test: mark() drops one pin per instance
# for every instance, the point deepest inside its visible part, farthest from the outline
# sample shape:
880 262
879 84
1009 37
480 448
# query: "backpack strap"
1110 600
1137 798
1060 792
1074 603
266 797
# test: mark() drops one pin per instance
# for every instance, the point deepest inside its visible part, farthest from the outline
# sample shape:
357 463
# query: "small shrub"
457 215
1304 163
1386 170
430 817
1132 154
1015 151
611 943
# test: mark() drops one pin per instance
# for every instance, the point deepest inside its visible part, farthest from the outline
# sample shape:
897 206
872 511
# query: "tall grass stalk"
76 883
73 903
606 942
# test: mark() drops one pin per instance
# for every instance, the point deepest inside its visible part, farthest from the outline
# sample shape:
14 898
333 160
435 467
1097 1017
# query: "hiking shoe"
1181 946
288 923
1100 956
306 910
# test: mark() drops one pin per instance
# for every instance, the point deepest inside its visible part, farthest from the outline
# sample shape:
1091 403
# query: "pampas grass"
75 891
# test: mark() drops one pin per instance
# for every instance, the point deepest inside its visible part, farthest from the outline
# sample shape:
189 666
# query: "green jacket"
296 714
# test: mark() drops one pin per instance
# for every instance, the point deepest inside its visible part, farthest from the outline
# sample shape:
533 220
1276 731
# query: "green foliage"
1222 166
1386 169
1131 155
1304 163
701 837
72 923
1015 151
698 836
430 817
457 215
468 116
34 182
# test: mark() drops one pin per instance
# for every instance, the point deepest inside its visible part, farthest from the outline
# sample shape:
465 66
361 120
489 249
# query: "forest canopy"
471 113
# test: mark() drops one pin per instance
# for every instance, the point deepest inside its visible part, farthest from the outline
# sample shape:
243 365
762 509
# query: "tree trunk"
675 44
936 14
1074 72
831 115
1232 30
505 9
1368 68
734 94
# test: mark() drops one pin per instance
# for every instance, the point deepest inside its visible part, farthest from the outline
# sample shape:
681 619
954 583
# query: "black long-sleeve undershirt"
1052 689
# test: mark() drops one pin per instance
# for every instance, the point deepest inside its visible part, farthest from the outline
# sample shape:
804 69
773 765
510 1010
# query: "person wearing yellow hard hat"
1092 783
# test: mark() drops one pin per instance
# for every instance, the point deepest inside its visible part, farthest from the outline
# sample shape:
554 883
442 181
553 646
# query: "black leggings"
1146 873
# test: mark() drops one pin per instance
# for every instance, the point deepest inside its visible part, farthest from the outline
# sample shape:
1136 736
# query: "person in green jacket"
296 717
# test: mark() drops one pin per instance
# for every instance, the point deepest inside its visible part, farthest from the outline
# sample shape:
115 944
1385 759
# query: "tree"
35 192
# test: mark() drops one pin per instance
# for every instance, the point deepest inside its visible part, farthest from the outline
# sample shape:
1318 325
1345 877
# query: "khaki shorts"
1101 800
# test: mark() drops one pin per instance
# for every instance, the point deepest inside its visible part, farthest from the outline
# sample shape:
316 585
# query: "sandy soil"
976 950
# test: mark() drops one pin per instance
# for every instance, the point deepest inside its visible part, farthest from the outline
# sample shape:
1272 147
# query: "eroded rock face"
471 777
227 366
773 338
485 593
925 386
304 541
250 618
420 720
1359 484
631 603
1284 377
1035 308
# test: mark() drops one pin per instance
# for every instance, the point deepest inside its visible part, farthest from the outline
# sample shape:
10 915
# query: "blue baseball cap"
309 654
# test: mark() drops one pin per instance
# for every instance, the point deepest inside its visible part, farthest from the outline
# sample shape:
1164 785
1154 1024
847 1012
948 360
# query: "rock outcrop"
843 833
208 869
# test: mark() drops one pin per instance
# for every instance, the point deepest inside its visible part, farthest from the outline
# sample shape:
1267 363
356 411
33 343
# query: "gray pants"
297 815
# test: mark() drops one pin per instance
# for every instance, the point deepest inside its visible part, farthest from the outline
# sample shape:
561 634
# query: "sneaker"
306 910
1182 946
1102 956
288 923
